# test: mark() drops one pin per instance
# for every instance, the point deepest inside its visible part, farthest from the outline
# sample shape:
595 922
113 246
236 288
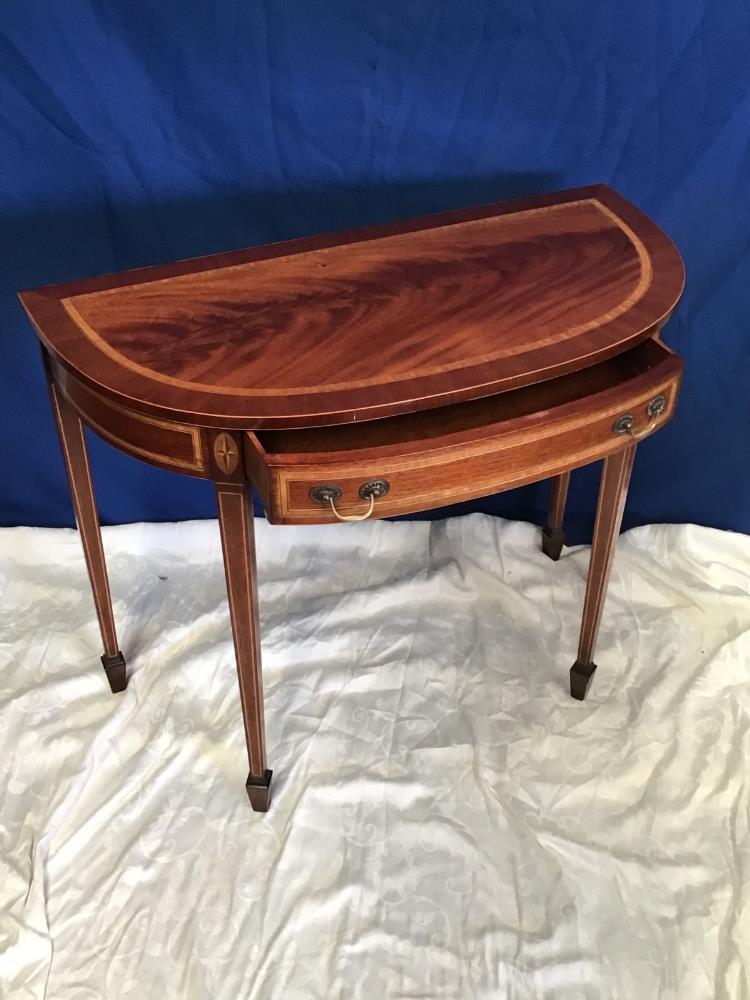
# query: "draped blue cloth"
135 133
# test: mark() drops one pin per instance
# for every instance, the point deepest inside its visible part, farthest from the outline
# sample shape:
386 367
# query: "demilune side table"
374 372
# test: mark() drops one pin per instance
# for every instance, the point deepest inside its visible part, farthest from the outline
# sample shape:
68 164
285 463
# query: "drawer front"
165 443
453 474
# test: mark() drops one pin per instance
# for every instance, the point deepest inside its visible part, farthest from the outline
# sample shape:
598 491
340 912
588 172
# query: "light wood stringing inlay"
605 439
196 464
503 226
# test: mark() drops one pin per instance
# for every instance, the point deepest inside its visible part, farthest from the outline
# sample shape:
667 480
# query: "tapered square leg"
73 444
613 491
238 544
553 536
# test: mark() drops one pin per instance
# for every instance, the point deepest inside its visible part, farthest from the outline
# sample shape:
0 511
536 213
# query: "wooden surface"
75 457
613 493
467 450
165 443
238 544
373 322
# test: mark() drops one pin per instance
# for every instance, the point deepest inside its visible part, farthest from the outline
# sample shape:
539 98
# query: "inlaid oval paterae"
225 452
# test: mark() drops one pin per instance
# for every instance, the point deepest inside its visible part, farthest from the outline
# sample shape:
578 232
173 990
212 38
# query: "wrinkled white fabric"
446 821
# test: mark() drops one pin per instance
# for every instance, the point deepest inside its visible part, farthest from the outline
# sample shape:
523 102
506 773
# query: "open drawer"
416 461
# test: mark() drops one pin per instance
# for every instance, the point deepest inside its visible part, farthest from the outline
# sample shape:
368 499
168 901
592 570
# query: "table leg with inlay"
237 524
75 456
613 491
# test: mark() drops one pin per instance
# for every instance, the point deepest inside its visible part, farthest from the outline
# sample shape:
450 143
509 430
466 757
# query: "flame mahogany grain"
372 322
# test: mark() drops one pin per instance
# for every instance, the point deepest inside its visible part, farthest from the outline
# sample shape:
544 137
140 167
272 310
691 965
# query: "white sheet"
446 821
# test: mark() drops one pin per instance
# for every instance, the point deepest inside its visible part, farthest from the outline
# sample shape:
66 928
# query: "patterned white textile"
446 822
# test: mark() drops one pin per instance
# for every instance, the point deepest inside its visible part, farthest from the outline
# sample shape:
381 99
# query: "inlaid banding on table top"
374 322
290 322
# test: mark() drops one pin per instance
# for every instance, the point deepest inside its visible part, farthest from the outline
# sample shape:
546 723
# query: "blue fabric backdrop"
139 132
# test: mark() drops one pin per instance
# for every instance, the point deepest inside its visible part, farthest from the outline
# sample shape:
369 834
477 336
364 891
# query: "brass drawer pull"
657 406
325 494
354 517
624 424
370 490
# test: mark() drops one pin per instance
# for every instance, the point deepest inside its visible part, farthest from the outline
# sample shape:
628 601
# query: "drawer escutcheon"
623 424
374 488
325 494
657 405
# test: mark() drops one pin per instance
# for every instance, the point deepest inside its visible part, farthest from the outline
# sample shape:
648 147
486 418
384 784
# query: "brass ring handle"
369 491
624 424
352 517
646 430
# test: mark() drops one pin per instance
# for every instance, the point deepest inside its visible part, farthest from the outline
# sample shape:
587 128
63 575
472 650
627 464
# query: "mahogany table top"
371 322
